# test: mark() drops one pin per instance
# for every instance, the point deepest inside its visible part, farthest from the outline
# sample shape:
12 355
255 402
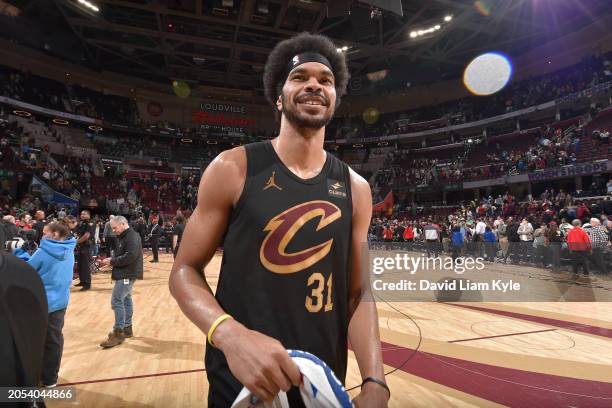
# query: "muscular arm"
363 326
220 187
259 362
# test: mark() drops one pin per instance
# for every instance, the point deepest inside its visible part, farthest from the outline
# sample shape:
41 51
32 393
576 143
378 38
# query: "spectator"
600 241
127 267
10 229
502 234
539 245
457 241
490 244
478 237
110 238
432 238
554 241
85 241
54 262
564 227
155 232
177 234
579 244
39 224
514 241
525 232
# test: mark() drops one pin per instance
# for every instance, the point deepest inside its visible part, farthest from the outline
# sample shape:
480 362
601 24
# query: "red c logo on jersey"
283 228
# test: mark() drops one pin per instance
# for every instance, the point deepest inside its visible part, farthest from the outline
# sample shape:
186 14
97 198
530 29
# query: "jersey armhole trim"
349 189
246 188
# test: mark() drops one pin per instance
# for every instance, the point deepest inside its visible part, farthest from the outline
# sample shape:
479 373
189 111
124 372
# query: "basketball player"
293 222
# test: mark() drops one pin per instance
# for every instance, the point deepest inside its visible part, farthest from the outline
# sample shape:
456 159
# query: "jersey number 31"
318 296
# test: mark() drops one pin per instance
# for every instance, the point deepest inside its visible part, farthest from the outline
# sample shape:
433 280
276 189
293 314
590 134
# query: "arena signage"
78 150
107 160
582 169
219 107
220 119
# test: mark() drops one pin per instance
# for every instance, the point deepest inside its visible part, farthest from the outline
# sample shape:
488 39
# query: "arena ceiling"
225 43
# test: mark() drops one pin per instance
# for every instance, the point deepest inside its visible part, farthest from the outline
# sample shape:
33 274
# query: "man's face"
308 98
84 215
118 228
40 215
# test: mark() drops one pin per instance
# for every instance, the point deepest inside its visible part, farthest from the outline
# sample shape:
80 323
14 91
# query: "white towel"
319 388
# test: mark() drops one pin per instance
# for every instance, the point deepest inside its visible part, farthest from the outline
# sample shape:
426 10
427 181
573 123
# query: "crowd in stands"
65 174
552 147
66 97
517 95
164 150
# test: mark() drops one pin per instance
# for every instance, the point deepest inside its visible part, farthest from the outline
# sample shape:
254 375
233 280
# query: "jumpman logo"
272 183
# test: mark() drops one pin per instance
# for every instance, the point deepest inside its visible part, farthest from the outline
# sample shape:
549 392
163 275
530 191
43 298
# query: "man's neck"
300 149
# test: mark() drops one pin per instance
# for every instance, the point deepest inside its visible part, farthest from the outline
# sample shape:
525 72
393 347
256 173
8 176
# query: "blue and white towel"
319 388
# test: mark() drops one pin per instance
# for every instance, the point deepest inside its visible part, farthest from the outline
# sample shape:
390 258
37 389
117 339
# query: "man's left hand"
105 262
372 395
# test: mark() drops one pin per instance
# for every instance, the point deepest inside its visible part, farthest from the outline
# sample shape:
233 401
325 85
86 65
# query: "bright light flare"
487 74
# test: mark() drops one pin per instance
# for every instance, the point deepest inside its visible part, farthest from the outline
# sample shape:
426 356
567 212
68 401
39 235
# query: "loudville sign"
221 107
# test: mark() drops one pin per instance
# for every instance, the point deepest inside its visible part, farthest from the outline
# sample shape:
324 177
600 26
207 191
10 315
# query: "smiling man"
293 222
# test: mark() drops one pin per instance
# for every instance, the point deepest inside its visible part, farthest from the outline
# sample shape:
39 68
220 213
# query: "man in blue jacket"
54 262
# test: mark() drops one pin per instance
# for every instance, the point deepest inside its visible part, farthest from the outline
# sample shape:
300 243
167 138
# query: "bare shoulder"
232 162
225 175
361 192
359 185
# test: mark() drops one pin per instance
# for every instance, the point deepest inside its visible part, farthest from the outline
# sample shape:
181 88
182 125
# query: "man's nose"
313 85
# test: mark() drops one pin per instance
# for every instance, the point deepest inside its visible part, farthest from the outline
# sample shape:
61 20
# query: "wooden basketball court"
438 354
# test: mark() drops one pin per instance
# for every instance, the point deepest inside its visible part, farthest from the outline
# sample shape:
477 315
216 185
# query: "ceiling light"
437 27
345 48
89 5
60 121
21 113
448 18
413 34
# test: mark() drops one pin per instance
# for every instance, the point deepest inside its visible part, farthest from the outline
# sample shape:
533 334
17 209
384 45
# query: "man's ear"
279 103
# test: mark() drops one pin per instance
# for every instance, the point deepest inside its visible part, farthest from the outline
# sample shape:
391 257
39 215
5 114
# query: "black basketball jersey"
286 262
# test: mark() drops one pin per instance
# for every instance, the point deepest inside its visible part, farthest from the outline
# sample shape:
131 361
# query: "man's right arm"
263 373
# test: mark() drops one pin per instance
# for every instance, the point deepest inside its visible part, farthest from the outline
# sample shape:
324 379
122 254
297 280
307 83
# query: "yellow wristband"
214 326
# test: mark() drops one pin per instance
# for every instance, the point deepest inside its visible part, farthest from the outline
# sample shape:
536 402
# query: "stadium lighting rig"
419 33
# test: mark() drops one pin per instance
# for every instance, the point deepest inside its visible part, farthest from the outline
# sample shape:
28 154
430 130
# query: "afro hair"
275 71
